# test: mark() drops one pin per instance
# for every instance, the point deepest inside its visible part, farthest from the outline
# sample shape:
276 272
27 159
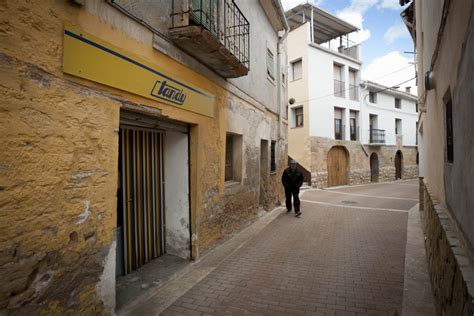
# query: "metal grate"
377 136
224 20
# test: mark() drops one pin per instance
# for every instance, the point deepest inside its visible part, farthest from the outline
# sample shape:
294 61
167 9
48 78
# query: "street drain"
349 202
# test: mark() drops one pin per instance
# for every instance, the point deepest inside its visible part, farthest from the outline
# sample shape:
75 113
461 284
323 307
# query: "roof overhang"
408 17
326 26
377 87
275 14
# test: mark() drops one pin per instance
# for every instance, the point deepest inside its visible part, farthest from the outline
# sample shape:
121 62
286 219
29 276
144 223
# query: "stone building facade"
443 32
359 161
115 134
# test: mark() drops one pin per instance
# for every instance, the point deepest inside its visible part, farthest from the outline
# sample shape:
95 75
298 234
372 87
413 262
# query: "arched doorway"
338 166
398 165
374 168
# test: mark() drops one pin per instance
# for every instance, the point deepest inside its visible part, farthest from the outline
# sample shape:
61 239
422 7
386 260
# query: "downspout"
281 40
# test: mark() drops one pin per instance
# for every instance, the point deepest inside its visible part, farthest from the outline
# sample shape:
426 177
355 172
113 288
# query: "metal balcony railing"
338 131
377 136
354 132
223 19
339 88
353 92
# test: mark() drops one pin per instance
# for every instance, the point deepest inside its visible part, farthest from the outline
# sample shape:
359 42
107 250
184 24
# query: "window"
398 126
353 125
233 157
229 144
296 119
353 88
299 116
398 103
297 70
273 167
449 132
338 82
270 65
338 127
372 97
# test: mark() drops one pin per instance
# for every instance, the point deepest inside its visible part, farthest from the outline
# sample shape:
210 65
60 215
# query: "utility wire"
386 75
331 94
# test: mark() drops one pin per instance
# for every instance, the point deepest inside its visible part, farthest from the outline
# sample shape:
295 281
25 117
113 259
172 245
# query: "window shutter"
297 70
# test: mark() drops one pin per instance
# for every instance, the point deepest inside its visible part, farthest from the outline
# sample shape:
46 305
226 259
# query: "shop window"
233 157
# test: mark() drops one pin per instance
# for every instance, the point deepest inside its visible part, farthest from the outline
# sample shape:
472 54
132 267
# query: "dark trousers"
296 200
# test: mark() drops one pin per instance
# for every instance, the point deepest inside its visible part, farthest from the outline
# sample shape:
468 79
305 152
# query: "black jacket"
292 179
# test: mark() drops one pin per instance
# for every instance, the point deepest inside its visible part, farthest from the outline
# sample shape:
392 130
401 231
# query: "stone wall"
451 271
241 201
359 161
58 205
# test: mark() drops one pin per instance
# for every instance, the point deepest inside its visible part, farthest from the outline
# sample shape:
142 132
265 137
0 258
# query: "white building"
388 112
338 132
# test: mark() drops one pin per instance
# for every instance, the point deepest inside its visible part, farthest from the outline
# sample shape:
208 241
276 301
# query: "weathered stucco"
444 41
58 172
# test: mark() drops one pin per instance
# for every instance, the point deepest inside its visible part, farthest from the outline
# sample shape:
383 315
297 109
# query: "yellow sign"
88 57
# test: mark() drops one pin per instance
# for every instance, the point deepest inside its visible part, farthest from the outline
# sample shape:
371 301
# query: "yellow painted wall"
58 164
299 144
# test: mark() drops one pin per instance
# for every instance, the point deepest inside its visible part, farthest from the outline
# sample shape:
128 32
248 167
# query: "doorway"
338 166
153 210
140 218
374 168
264 170
398 165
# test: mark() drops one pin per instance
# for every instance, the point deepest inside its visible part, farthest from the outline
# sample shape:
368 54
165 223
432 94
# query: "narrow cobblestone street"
336 259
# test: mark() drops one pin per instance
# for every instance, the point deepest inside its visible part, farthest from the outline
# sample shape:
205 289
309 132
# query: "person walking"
292 180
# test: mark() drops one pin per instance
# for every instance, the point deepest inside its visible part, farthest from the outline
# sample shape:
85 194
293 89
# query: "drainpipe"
281 40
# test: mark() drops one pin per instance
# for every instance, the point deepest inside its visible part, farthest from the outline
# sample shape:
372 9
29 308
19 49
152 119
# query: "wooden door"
398 165
374 168
338 166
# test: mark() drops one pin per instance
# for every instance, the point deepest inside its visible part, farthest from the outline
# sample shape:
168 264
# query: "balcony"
376 136
338 130
354 133
354 92
215 32
339 88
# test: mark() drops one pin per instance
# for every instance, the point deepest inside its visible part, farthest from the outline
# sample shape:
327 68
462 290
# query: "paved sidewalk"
417 295
332 261
345 256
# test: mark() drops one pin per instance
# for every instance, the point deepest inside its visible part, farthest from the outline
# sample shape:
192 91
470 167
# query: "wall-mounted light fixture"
291 101
430 82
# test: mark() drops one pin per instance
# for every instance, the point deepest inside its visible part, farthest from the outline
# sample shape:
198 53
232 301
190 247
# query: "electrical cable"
332 93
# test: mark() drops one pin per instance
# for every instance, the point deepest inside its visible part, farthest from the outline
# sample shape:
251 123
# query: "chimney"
407 89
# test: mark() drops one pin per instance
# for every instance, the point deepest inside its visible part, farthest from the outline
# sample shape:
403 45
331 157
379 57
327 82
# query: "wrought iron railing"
338 88
223 19
376 136
353 92
354 132
338 130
